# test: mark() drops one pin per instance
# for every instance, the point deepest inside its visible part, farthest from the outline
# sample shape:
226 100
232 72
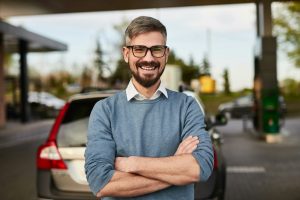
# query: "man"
147 142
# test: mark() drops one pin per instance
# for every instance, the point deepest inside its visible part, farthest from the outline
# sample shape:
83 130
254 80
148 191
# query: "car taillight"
216 164
48 156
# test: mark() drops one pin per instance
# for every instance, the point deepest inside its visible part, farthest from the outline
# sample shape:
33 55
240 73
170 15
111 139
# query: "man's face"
146 70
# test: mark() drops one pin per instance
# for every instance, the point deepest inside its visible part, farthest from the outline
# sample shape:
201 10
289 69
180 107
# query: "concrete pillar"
264 16
24 111
265 73
2 83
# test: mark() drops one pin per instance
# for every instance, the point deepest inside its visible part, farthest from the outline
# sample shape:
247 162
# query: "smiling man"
147 142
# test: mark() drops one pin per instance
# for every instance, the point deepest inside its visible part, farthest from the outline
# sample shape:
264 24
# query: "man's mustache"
149 64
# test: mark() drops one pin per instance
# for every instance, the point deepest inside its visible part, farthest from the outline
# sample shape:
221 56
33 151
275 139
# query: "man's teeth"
147 68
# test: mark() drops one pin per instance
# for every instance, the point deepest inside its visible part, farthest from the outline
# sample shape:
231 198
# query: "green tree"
98 60
205 67
174 60
291 87
86 77
189 71
226 83
287 28
56 82
121 75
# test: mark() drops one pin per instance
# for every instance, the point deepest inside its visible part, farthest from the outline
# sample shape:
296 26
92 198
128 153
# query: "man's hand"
187 146
127 164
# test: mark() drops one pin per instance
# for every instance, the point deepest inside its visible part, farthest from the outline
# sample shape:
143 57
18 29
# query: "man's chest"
148 136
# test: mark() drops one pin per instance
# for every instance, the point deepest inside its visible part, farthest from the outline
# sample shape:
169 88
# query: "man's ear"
126 54
167 54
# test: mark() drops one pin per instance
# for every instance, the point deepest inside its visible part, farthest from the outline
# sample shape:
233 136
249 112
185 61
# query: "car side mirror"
220 119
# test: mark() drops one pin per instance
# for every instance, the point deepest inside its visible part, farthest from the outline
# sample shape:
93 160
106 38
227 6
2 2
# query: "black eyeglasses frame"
148 48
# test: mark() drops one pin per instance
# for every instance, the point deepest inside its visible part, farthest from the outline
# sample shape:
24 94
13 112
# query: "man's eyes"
156 48
140 48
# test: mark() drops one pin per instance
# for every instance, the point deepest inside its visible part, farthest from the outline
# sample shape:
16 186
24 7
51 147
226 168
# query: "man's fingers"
188 145
188 140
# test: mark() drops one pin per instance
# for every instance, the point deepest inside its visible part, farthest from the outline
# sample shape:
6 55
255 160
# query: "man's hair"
144 24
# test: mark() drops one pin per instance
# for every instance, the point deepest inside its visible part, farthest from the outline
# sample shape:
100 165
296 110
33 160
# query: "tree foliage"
287 28
226 83
121 75
98 60
189 71
205 67
291 87
56 82
86 78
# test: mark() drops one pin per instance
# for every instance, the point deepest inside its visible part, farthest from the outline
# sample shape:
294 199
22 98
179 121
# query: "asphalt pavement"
258 170
255 169
18 145
15 132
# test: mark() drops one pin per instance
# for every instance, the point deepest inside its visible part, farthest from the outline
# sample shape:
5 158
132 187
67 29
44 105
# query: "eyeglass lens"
140 51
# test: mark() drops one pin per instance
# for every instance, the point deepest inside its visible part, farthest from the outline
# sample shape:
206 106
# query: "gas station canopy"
9 8
36 42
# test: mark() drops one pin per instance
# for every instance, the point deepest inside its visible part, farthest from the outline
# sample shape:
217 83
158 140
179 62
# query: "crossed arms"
135 176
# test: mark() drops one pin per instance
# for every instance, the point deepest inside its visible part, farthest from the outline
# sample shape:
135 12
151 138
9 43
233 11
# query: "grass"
293 106
212 102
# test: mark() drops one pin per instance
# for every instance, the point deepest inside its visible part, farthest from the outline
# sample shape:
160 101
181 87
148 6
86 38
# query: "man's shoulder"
178 96
112 100
120 95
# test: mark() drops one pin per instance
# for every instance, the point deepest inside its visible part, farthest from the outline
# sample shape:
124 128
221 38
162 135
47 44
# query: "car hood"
224 106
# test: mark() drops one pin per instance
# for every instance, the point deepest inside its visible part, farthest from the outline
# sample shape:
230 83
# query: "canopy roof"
9 8
36 42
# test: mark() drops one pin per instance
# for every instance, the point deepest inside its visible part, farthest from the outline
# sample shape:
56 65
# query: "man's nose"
148 55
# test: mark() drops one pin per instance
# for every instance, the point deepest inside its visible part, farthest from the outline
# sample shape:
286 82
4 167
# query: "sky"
225 34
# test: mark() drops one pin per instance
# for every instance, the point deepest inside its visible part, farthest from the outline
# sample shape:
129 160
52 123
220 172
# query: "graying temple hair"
144 24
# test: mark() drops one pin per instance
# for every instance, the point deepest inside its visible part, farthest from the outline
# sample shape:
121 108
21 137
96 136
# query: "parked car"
214 188
243 107
46 99
44 104
60 160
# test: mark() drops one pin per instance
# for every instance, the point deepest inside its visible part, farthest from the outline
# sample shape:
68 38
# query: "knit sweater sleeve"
194 125
100 150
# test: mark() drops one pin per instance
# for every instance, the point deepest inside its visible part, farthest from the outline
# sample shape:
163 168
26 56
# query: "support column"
264 18
2 83
266 118
24 111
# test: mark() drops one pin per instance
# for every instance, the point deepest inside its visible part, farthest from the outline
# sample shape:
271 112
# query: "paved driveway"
257 170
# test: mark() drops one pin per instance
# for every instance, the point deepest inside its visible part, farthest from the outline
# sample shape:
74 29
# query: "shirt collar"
131 92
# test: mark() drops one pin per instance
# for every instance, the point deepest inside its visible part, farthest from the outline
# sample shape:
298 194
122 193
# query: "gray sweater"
149 128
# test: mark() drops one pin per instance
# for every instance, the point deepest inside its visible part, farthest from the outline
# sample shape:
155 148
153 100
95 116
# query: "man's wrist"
134 164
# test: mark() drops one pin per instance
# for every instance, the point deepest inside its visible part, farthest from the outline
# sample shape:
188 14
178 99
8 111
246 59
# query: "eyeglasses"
140 51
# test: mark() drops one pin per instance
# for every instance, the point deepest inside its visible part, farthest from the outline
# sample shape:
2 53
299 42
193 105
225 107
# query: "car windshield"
73 129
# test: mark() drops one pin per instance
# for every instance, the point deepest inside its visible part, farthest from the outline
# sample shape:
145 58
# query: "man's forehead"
153 36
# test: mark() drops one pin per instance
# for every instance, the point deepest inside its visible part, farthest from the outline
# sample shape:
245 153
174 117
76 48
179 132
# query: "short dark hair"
144 24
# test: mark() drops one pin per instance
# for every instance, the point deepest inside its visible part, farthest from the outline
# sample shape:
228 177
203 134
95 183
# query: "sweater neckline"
146 101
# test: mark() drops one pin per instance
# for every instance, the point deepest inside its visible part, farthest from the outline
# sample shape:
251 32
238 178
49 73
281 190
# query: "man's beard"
147 82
